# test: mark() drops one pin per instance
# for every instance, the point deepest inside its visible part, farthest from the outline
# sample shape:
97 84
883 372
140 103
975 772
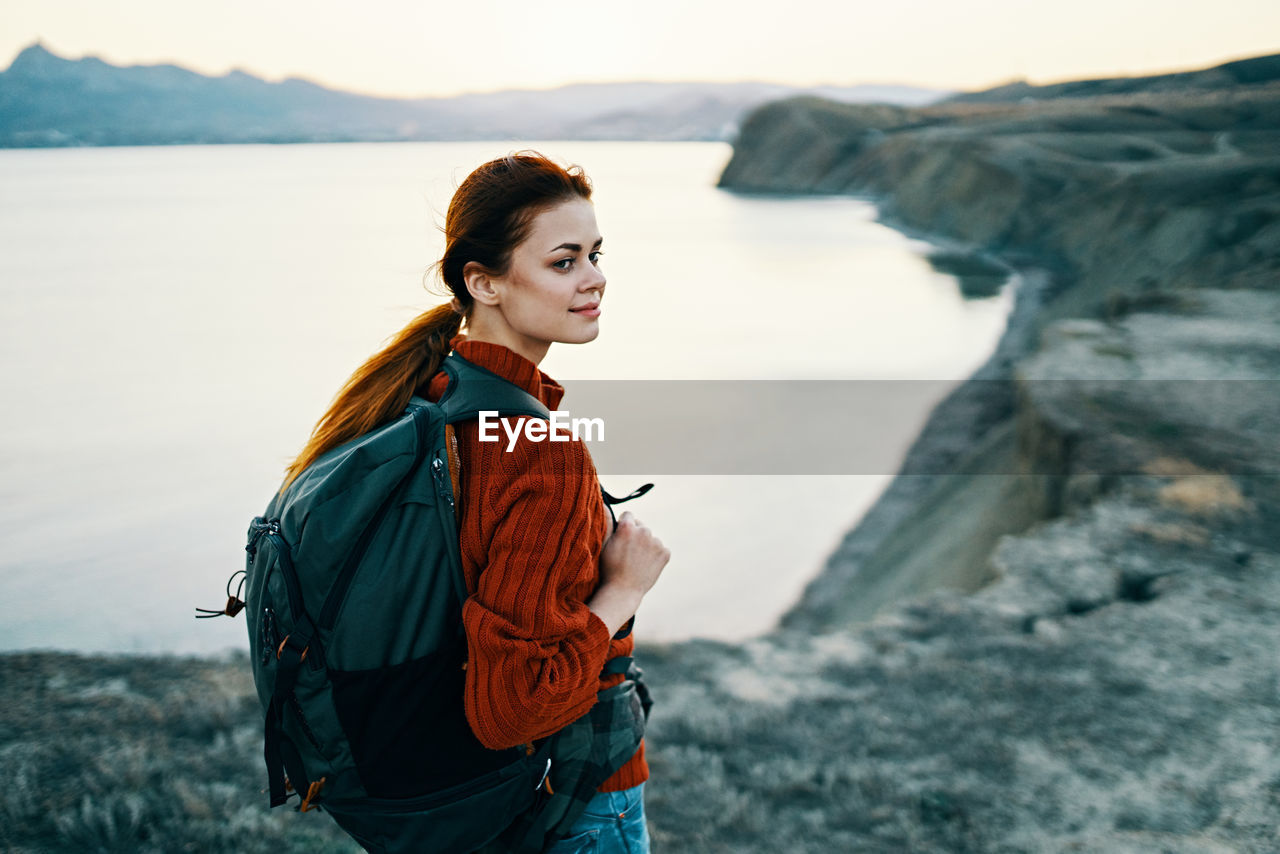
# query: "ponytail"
380 388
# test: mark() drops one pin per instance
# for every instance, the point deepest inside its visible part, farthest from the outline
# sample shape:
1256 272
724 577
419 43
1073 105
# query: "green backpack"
353 595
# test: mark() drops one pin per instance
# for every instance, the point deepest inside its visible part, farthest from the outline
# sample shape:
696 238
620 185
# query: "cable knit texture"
532 527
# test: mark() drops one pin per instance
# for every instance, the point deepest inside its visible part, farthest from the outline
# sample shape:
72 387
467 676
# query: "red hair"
489 216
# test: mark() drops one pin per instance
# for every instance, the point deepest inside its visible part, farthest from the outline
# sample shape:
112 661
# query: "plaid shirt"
583 755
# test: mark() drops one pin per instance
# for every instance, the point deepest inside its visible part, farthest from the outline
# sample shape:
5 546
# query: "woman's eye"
566 263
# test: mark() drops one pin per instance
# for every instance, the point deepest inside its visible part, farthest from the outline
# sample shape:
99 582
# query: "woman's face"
553 288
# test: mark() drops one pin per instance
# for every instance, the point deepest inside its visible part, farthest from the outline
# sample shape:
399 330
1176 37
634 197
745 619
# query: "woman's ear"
479 283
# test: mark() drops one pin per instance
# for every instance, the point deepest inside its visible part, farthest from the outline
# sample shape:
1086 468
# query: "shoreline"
956 427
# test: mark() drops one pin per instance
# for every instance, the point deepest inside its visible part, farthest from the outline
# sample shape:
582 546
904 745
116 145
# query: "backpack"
353 595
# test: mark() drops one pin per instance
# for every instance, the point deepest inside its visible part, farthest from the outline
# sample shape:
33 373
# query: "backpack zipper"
449 518
267 638
302 721
260 526
292 590
442 487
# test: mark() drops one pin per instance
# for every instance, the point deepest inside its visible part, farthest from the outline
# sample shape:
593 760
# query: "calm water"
175 319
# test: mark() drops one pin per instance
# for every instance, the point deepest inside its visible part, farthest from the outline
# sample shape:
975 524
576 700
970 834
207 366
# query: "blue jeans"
613 823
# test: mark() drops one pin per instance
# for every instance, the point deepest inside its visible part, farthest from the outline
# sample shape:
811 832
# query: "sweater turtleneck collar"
511 366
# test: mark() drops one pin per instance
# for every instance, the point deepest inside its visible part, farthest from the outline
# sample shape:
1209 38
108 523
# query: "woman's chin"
582 336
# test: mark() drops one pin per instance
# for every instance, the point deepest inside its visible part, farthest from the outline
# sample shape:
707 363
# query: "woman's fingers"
633 556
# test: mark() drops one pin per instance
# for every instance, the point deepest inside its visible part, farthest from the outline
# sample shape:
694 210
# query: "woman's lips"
592 310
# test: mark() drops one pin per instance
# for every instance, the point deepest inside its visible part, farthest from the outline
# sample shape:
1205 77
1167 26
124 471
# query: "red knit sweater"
533 526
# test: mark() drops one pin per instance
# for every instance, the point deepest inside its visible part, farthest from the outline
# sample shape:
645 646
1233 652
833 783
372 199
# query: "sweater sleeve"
535 648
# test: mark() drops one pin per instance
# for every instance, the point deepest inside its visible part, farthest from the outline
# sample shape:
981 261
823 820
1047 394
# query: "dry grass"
1205 495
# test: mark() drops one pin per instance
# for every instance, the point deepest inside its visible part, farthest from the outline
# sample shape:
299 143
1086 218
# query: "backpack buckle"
312 791
280 649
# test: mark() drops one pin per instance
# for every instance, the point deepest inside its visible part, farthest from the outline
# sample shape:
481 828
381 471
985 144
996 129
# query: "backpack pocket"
407 726
459 819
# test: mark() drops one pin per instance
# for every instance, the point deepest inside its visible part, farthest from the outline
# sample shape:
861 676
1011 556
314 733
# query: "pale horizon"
513 88
400 49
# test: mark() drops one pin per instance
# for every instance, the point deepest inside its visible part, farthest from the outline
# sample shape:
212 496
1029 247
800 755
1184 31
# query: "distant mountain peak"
35 58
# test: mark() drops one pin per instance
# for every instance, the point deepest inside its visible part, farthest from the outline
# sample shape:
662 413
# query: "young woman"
553 584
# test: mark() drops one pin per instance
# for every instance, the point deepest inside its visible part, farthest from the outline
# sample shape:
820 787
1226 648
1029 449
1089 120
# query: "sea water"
175 319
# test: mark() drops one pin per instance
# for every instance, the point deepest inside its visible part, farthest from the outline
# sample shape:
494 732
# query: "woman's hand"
630 564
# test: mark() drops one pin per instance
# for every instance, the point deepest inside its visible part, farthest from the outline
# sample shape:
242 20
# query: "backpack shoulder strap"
473 389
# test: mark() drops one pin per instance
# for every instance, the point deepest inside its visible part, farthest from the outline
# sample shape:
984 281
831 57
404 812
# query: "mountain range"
47 100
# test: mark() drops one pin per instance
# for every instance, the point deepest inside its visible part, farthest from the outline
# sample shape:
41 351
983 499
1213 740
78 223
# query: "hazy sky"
404 48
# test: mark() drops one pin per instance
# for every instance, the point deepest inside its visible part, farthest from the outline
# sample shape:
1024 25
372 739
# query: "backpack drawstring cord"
234 603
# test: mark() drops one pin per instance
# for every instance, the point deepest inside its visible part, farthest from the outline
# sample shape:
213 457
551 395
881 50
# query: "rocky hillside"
1242 72
1106 490
1115 204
